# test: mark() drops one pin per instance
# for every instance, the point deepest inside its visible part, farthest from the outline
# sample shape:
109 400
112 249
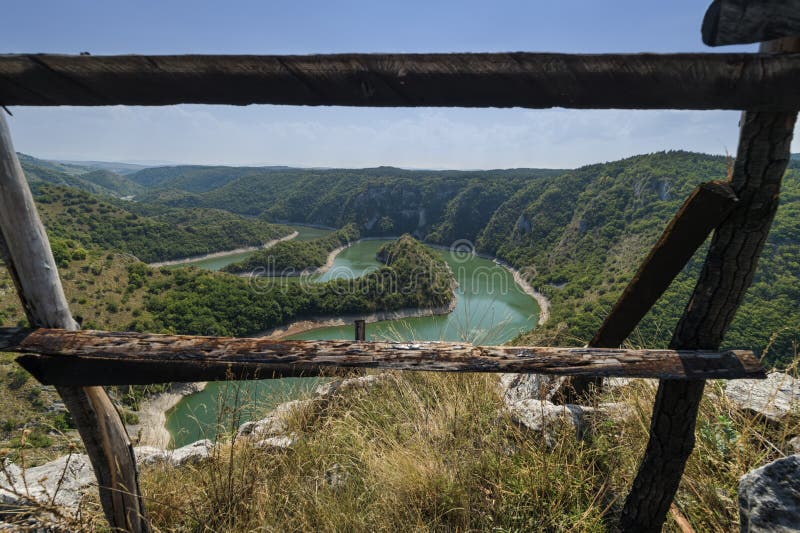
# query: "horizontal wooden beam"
531 80
104 358
750 21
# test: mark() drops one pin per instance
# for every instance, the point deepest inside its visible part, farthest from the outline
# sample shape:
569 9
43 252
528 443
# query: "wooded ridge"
578 235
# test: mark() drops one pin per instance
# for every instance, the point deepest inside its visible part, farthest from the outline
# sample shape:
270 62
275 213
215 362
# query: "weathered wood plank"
109 358
26 253
532 80
762 156
750 21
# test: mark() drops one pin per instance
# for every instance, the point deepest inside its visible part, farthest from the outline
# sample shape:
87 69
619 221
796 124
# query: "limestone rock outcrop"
773 398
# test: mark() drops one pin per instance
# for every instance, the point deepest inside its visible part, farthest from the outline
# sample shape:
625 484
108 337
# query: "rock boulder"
772 398
517 387
769 497
549 419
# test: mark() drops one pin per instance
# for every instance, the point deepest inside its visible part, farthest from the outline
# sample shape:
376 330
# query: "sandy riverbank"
225 253
152 429
541 299
331 258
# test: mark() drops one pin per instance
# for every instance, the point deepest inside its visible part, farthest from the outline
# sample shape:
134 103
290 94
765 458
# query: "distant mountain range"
119 168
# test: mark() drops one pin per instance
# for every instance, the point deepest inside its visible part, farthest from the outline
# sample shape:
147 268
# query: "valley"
575 236
490 308
127 246
400 267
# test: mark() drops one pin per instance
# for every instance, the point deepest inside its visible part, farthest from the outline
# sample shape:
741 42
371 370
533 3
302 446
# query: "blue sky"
359 137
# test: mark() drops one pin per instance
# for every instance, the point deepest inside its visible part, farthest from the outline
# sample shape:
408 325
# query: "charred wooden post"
531 80
26 252
762 157
361 330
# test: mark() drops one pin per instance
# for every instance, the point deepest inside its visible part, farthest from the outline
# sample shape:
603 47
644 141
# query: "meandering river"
490 309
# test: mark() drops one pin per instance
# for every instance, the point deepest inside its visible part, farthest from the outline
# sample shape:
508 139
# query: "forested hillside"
580 236
381 201
192 178
292 258
210 303
86 178
74 217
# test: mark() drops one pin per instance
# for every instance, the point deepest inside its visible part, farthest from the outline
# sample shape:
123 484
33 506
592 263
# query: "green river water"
490 309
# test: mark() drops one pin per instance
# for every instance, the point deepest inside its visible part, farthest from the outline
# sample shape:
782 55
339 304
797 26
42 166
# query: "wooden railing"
85 358
530 80
739 212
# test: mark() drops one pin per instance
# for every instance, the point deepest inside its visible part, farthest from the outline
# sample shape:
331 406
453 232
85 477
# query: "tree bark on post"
762 156
26 251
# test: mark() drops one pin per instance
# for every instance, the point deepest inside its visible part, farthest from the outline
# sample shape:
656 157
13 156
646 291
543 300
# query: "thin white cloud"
349 137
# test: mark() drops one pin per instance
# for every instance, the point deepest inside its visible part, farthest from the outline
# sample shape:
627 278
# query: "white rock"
42 523
279 443
186 455
10 471
146 455
62 481
794 444
516 387
773 398
616 383
8 501
611 384
769 497
275 423
618 411
329 389
549 419
191 454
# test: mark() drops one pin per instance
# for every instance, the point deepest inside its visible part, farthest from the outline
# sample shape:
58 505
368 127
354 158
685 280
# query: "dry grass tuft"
426 451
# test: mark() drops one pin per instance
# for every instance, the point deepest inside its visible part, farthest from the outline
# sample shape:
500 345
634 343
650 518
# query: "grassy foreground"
434 452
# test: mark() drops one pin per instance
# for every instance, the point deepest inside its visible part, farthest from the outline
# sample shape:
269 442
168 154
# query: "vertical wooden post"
761 160
28 257
361 330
